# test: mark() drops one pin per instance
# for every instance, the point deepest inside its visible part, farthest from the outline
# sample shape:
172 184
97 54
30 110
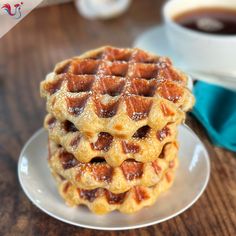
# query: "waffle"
98 174
102 201
145 146
116 91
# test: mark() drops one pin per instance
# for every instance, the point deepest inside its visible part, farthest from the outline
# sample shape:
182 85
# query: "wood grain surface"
27 54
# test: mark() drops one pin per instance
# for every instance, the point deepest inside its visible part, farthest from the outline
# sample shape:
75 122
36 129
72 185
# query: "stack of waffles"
112 121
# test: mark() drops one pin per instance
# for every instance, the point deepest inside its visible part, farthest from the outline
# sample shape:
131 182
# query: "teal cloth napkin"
215 109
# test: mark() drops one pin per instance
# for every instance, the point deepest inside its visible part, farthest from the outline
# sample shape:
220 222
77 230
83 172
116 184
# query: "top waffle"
116 91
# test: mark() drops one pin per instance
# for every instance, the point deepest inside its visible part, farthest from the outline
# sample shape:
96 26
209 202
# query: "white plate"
155 40
191 179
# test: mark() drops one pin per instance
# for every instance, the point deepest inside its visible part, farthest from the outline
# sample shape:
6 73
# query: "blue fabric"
215 109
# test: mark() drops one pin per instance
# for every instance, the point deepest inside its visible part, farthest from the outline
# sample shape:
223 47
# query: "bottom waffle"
102 201
98 174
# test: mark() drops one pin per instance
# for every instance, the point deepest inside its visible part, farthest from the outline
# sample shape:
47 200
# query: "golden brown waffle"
102 201
145 146
98 174
116 91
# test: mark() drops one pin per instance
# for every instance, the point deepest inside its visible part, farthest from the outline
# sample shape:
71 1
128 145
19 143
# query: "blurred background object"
215 108
95 9
101 9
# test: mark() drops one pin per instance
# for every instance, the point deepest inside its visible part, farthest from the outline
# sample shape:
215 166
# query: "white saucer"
155 40
191 180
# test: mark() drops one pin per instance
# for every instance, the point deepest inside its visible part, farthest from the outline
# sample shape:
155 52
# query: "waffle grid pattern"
98 174
102 201
116 91
112 122
146 146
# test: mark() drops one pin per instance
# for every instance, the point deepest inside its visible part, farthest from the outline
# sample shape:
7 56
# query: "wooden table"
27 54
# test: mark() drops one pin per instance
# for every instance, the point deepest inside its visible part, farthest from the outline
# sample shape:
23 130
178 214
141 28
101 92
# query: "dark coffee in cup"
211 20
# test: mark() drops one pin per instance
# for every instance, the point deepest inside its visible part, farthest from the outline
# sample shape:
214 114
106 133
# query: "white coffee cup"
209 56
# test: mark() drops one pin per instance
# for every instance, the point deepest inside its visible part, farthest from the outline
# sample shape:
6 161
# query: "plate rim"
41 130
